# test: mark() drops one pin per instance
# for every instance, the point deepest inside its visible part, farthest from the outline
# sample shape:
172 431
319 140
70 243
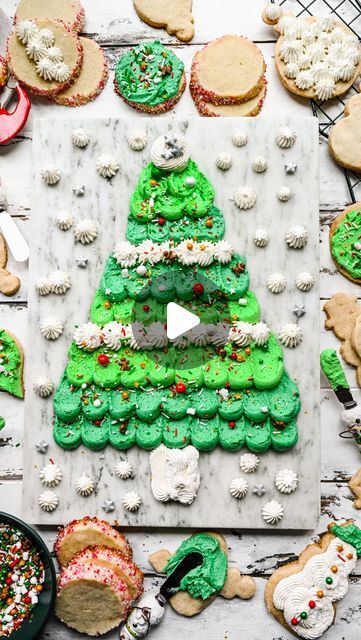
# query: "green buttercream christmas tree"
125 384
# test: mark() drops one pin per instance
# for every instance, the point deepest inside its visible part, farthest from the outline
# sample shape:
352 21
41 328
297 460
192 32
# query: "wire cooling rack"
328 113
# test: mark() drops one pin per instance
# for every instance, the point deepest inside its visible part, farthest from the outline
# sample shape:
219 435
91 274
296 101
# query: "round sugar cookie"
340 86
345 242
3 71
70 12
91 80
344 141
24 69
228 70
243 109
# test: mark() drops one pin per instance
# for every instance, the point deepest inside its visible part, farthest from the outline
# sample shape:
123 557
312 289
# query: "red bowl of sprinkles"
27 580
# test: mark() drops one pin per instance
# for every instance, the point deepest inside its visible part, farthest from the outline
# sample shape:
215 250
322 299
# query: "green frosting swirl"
159 194
332 369
149 74
207 579
343 241
10 365
350 533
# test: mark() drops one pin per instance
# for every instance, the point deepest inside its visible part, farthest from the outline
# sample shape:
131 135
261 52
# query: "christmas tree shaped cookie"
11 364
302 595
224 382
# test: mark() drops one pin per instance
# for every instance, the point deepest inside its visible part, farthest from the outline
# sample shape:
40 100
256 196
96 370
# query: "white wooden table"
114 24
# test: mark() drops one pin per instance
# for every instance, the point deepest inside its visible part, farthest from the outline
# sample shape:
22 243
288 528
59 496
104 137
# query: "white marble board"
107 202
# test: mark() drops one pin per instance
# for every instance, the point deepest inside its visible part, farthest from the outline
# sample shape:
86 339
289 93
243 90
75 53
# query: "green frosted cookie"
121 404
204 433
68 436
248 310
175 405
205 402
11 365
177 434
284 400
112 283
107 376
95 434
256 405
124 311
80 367
232 407
267 364
232 434
102 309
122 433
95 403
258 435
215 374
148 405
67 402
284 436
149 436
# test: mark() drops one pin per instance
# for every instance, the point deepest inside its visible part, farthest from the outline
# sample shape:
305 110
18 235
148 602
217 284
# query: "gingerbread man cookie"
342 311
355 486
175 16
9 284
229 584
344 141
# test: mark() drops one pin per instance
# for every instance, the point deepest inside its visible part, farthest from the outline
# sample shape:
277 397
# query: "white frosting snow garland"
175 474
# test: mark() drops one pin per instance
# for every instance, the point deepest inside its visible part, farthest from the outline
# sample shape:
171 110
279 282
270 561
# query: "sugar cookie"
345 241
70 12
176 16
344 141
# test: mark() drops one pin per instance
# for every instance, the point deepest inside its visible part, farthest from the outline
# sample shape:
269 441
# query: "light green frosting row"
10 365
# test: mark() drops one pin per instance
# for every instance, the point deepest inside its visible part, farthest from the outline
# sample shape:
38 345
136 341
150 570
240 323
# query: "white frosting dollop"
61 71
245 197
261 237
107 165
88 336
51 328
51 475
238 488
51 175
125 254
239 139
64 221
132 501
286 481
46 36
48 501
137 141
36 49
54 54
45 69
170 153
305 281
260 333
291 70
249 462
290 50
276 283
259 164
43 286
60 282
304 79
284 194
224 161
325 88
272 512
223 251
297 236
286 138
290 335
273 11
80 138
84 485
43 387
114 334
124 470
241 333
175 474
26 30
85 231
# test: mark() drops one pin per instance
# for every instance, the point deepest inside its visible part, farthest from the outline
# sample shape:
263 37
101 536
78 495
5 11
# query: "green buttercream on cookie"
346 243
210 577
332 368
350 533
11 365
149 74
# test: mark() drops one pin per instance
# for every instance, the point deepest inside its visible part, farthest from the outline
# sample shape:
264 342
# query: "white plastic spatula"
14 238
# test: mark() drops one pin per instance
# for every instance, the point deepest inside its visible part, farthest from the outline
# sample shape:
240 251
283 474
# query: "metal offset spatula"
150 609
11 122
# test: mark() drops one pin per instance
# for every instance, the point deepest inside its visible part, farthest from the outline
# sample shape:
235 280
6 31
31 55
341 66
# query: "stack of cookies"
344 319
98 582
47 56
228 78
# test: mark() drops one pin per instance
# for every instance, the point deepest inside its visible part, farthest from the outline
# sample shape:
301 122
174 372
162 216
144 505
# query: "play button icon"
179 320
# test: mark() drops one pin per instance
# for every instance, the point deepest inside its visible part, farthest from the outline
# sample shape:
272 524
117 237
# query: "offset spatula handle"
14 238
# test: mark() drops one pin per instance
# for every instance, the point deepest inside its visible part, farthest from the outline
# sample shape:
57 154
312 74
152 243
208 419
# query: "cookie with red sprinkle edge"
125 568
244 109
24 69
79 534
3 71
228 70
150 78
70 12
91 80
92 599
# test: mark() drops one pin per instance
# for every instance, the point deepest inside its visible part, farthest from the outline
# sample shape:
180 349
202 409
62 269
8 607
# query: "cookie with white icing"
302 595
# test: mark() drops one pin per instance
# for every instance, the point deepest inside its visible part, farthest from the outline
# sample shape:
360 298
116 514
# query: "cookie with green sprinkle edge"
334 227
